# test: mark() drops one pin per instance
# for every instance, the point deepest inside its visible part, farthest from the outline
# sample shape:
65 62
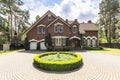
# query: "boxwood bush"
58 65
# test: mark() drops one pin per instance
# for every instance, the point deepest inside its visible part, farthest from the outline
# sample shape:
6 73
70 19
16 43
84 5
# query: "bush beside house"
26 44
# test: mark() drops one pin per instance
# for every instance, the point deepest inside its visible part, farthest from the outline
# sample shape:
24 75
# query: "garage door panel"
33 45
42 46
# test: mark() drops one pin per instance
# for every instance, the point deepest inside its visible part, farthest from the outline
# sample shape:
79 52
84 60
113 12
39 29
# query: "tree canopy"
109 18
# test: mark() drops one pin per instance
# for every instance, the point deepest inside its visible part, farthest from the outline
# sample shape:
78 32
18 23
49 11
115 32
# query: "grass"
8 52
63 57
108 51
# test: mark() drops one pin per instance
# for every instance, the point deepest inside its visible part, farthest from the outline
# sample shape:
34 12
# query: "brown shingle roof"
89 27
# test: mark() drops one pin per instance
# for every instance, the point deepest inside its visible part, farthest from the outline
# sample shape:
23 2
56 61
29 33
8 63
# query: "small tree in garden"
48 42
38 46
67 47
26 44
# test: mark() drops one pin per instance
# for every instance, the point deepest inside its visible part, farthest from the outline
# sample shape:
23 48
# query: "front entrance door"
75 43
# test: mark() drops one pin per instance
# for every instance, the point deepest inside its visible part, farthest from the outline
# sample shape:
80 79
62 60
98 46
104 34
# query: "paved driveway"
96 67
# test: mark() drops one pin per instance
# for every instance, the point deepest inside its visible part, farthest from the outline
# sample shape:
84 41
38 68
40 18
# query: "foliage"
48 42
37 17
38 46
58 65
26 44
2 40
16 41
93 48
103 40
67 46
109 10
13 15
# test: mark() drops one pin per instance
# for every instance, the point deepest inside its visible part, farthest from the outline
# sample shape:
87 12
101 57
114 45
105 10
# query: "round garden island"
58 61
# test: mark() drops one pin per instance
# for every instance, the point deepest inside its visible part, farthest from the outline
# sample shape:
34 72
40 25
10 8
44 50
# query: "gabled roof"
60 20
47 13
89 27
70 22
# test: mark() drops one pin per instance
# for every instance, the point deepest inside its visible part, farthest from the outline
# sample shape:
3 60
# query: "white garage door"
33 45
42 46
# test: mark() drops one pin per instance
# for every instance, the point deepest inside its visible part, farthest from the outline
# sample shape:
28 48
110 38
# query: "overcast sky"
83 10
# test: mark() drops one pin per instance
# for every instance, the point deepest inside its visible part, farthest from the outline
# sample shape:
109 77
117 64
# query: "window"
58 29
49 17
88 42
74 29
58 41
61 29
93 42
41 30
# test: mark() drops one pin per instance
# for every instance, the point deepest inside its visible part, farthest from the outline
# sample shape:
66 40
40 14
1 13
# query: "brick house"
60 30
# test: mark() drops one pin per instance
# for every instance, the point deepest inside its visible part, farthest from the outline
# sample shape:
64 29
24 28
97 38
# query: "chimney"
67 20
76 20
89 21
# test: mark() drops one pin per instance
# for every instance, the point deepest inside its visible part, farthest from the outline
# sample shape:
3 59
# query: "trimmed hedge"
93 48
58 65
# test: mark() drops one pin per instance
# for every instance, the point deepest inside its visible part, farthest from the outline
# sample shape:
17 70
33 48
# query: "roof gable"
58 18
47 13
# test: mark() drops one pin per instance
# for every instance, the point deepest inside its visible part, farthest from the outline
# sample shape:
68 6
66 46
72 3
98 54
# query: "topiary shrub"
58 65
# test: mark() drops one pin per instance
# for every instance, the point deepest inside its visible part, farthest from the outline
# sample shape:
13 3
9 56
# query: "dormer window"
49 17
74 28
58 28
41 29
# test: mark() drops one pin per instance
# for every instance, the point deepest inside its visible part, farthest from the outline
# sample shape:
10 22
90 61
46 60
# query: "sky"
83 10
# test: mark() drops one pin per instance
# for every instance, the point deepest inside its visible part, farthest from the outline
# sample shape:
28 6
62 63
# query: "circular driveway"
96 66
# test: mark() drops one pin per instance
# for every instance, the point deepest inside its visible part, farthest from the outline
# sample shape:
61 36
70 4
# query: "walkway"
96 67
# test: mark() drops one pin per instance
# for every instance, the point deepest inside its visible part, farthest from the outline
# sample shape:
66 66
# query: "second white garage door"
42 46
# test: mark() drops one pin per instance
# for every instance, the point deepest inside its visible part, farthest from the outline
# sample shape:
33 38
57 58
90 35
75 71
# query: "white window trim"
43 32
49 17
74 26
58 24
58 41
58 28
55 29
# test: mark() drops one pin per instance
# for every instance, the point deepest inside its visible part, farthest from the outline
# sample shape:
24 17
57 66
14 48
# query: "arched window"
84 42
93 42
41 29
58 28
74 28
88 42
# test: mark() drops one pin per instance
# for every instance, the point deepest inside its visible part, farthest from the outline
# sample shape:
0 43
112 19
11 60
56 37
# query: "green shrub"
93 48
38 46
26 44
58 65
66 48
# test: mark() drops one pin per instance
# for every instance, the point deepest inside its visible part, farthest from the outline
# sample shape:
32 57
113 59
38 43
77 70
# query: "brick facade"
68 30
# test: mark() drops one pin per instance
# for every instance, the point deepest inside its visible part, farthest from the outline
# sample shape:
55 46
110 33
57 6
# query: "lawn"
8 52
108 51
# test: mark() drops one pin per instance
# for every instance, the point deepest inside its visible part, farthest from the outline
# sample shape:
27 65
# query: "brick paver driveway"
96 67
